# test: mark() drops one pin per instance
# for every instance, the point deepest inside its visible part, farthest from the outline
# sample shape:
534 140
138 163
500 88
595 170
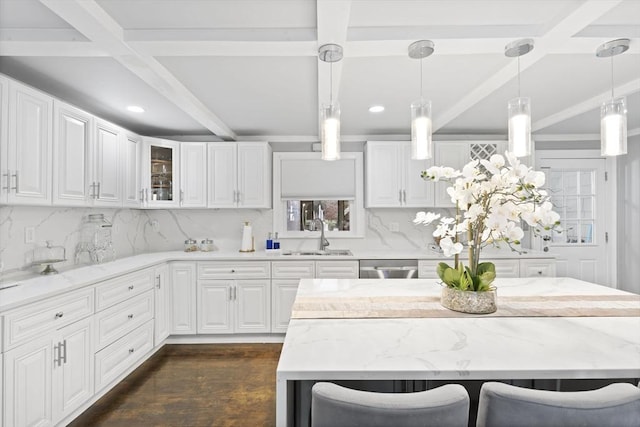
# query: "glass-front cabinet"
160 186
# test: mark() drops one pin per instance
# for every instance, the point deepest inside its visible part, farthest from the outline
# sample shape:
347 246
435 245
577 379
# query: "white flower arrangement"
491 199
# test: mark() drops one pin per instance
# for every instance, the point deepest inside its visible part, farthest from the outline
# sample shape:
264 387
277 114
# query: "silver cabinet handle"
400 196
15 175
142 195
64 355
233 290
6 175
181 196
98 196
230 296
59 314
57 358
404 196
158 281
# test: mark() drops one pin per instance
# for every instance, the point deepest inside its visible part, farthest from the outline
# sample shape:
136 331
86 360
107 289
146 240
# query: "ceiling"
248 69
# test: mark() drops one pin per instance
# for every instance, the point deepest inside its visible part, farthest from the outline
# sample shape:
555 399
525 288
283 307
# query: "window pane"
586 207
586 182
571 207
555 181
586 232
571 232
304 215
571 182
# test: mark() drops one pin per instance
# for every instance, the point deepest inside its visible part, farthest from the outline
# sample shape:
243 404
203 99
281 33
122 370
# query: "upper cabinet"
393 179
4 138
26 168
161 180
456 154
131 160
72 138
193 172
239 175
105 166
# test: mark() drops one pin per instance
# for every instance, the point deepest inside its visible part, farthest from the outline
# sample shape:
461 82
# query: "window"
303 215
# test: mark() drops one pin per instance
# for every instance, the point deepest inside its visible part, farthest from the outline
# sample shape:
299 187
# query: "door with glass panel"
577 189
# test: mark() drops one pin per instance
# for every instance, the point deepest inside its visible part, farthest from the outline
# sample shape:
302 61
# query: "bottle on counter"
269 242
276 242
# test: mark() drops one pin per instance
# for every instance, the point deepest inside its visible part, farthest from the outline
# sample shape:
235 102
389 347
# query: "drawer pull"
131 287
232 270
540 272
131 350
59 314
130 316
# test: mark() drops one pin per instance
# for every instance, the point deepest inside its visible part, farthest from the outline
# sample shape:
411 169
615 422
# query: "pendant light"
519 108
613 113
330 113
421 124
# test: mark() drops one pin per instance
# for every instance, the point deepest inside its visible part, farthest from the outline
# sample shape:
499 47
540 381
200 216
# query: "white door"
222 172
27 386
193 170
254 176
383 174
105 182
253 305
131 188
29 148
72 138
215 306
73 372
183 298
161 301
578 190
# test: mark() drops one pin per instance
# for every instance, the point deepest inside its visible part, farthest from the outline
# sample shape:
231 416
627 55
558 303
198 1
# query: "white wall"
629 217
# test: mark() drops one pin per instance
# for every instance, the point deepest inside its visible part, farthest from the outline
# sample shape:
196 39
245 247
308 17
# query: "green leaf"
442 266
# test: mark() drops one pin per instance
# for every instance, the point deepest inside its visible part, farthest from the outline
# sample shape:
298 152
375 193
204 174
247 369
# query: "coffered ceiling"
249 68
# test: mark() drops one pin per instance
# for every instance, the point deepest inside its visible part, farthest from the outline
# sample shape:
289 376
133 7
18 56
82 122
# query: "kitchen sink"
334 252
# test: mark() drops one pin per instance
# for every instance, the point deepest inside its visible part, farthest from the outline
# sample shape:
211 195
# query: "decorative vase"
483 302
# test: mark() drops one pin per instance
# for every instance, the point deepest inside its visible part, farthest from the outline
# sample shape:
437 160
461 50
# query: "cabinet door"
28 373
105 184
183 298
537 268
4 139
29 148
215 306
254 175
337 269
383 174
253 306
73 372
71 140
416 192
161 179
283 296
131 188
162 304
193 170
222 172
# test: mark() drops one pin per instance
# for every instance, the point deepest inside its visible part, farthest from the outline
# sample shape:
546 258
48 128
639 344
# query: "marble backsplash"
139 231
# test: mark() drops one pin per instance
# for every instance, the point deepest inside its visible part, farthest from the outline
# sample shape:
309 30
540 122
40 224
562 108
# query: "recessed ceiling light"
135 109
376 108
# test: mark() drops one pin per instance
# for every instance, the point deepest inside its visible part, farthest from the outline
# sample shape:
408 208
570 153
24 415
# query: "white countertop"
39 287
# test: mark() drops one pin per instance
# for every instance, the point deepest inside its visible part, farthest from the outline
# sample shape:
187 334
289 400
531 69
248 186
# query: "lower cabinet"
49 377
283 295
505 268
182 294
234 306
537 268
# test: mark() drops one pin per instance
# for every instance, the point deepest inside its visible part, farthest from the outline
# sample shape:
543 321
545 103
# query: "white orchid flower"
449 248
425 218
534 178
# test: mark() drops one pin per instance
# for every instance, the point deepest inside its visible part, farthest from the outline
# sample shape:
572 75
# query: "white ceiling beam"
581 17
226 48
94 23
623 90
51 49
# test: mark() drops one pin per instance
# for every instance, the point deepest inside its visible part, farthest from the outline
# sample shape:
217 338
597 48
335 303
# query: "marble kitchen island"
374 330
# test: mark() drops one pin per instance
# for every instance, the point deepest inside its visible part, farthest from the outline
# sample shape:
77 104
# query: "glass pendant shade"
421 130
520 143
613 127
330 131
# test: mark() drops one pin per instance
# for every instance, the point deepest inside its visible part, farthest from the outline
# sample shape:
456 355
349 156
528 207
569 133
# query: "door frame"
611 200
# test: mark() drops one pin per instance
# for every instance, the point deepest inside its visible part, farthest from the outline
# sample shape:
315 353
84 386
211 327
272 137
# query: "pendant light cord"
421 74
518 76
331 83
612 77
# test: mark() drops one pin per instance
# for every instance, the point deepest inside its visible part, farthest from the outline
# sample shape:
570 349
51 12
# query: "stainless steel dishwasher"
388 268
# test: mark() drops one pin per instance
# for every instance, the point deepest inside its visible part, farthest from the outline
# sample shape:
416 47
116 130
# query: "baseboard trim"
224 339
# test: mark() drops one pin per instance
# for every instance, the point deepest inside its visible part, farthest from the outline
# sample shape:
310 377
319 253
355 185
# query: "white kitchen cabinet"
239 175
4 140
286 276
182 297
505 268
193 172
392 179
162 304
456 154
72 137
105 186
538 267
49 377
27 167
160 174
131 187
215 306
337 269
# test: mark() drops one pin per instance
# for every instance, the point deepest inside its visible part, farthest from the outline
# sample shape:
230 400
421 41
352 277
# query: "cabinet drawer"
292 269
122 318
234 270
116 358
122 288
36 319
427 269
537 268
506 267
337 269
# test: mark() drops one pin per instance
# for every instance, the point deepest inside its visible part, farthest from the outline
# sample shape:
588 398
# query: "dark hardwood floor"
194 385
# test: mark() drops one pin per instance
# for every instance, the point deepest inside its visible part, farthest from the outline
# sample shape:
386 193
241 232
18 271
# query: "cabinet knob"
131 287
540 272
232 270
131 350
59 314
130 316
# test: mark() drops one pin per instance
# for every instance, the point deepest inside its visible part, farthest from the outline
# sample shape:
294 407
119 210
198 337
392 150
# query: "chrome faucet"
323 241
